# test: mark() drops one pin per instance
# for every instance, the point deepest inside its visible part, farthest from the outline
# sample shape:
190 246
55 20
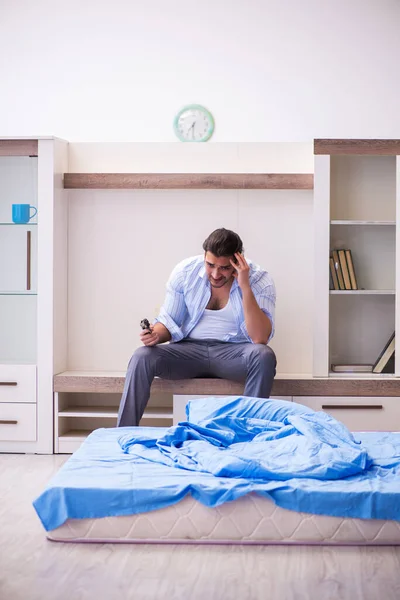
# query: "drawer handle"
354 406
3 422
8 383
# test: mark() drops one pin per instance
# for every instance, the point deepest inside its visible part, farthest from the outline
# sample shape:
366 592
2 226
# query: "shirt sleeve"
265 295
174 310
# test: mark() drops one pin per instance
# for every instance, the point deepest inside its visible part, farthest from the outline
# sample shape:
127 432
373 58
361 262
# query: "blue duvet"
228 447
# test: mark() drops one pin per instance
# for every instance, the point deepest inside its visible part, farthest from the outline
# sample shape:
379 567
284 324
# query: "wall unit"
30 173
52 327
356 199
113 190
355 205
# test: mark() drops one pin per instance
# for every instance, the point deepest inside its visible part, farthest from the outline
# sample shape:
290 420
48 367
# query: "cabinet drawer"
17 422
358 414
18 383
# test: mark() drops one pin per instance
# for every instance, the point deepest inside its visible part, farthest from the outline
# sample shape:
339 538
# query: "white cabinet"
30 173
358 414
356 199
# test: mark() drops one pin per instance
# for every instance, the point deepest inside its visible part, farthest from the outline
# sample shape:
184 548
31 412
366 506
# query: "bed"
187 484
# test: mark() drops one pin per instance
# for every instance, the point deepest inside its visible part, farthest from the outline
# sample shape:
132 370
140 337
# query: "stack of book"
342 273
383 364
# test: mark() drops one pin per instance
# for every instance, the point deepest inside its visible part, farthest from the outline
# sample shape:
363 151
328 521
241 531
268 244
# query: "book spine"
333 274
336 262
345 271
352 273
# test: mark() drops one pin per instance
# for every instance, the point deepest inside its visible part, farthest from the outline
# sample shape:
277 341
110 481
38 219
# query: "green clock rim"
210 130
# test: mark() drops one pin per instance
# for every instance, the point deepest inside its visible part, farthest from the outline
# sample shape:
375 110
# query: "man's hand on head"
242 271
149 337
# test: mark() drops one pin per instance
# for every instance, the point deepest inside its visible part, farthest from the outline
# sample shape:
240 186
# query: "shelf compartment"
359 328
75 435
18 260
18 333
373 254
363 188
18 183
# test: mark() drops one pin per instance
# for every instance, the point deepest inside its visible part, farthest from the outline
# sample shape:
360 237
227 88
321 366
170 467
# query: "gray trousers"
252 363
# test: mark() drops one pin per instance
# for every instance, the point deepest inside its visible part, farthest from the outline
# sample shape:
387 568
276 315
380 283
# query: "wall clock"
194 123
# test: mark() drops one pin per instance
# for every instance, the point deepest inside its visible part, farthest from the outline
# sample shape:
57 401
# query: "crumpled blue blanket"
303 445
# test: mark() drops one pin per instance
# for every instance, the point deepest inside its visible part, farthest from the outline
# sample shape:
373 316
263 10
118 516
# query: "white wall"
269 70
118 265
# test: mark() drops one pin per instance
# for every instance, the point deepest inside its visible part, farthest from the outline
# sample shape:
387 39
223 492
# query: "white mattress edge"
250 520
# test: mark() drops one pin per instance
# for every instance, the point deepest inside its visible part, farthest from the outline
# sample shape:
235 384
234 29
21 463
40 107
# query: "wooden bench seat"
284 385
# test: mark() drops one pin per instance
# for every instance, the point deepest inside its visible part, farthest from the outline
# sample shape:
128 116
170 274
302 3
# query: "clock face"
194 124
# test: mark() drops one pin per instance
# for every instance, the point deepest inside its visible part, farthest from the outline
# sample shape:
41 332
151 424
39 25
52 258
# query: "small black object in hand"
144 324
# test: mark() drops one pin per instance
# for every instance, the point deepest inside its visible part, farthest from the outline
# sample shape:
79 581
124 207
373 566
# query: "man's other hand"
149 337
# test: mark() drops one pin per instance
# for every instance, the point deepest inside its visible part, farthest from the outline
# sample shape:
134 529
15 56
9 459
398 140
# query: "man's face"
219 269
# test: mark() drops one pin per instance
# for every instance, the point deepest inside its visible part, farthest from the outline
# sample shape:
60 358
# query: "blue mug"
21 213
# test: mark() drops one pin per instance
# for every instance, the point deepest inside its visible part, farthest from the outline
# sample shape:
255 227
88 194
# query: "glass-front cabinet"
33 288
18 259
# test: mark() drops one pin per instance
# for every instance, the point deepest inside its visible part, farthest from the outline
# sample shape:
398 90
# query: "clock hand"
192 128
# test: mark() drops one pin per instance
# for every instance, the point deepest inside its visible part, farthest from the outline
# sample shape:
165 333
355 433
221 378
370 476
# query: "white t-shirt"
215 324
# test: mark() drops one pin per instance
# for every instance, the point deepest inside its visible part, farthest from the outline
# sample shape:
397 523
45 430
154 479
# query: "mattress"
251 519
300 478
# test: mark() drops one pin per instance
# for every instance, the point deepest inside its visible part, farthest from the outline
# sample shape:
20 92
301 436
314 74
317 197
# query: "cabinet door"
17 383
358 414
18 335
17 422
18 244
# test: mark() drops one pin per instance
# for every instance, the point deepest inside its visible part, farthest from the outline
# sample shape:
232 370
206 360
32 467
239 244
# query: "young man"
218 316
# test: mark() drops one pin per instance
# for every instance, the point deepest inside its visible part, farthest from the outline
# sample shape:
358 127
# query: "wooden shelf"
74 435
112 412
284 385
207 181
372 147
18 147
362 292
89 411
351 375
376 223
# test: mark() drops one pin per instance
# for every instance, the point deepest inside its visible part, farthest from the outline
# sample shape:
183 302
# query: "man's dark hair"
223 242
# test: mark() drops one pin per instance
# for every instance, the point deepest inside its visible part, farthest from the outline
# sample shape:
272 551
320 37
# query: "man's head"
221 246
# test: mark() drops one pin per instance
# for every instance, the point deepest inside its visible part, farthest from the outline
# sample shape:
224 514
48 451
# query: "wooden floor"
33 568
